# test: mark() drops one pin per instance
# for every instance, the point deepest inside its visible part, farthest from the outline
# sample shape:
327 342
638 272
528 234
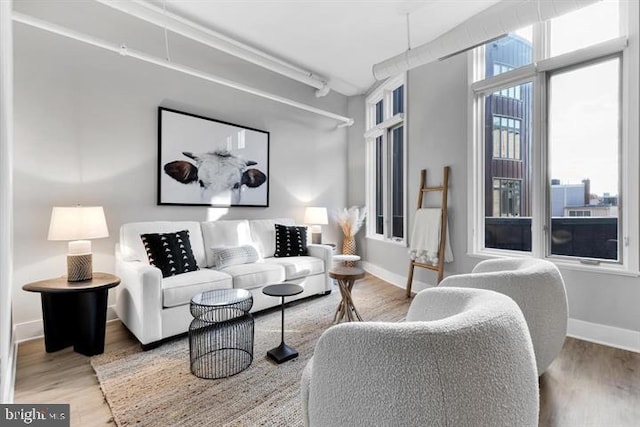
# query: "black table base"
75 319
282 353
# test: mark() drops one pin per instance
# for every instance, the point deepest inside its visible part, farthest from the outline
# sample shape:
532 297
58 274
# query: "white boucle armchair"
463 358
537 287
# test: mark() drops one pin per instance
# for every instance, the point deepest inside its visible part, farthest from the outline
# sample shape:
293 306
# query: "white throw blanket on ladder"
425 237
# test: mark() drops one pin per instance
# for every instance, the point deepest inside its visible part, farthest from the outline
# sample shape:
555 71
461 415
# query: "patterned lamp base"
79 267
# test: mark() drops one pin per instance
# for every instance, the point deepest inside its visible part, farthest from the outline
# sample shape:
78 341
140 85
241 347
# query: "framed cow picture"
207 162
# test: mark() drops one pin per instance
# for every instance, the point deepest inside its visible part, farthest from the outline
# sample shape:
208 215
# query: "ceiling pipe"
491 23
186 28
125 51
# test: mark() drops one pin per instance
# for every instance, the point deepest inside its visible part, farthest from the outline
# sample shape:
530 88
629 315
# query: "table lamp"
316 217
78 224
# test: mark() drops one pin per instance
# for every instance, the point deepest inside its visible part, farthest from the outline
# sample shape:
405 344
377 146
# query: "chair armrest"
354 362
139 298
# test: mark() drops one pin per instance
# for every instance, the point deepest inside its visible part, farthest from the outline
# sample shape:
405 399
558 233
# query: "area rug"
156 388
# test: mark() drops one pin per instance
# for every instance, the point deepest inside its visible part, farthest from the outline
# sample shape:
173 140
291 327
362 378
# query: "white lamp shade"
316 216
77 223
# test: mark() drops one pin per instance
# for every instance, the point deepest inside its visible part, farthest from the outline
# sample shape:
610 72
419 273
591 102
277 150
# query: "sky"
583 103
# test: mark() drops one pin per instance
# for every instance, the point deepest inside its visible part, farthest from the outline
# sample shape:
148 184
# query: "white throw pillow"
234 255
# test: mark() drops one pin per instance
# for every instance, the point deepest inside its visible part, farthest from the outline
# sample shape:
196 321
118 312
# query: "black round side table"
75 313
221 333
283 352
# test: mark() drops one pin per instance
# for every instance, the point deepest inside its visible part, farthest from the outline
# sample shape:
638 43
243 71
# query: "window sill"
401 243
616 270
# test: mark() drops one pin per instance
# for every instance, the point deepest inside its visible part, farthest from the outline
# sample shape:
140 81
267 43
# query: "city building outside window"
547 141
386 161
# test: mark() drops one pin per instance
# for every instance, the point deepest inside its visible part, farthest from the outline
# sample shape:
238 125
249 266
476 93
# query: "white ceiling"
339 40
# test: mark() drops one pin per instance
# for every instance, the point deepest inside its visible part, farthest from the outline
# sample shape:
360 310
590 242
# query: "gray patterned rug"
156 388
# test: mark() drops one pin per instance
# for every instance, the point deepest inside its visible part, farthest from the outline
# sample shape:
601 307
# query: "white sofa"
154 308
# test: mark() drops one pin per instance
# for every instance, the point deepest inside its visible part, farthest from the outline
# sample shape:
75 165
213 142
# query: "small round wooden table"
74 313
346 276
283 352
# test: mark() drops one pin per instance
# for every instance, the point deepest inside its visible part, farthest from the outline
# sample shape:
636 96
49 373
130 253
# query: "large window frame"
539 73
379 139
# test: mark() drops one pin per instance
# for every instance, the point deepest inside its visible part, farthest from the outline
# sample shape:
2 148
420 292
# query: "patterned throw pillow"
290 241
234 255
170 252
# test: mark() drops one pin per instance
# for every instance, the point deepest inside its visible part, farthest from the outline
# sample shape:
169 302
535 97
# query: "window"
507 173
506 197
386 159
583 141
584 27
506 54
548 167
579 213
397 182
506 137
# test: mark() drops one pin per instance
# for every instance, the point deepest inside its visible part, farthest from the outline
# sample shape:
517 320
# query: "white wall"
86 132
437 124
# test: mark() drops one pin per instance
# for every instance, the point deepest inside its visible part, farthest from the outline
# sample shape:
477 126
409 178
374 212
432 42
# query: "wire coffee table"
221 333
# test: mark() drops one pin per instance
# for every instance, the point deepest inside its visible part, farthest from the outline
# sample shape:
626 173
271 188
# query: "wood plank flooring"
587 385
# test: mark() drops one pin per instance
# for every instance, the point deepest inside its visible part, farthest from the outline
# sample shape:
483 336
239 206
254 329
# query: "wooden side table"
74 313
346 276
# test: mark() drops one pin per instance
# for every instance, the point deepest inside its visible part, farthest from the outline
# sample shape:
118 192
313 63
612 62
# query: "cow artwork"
216 173
207 162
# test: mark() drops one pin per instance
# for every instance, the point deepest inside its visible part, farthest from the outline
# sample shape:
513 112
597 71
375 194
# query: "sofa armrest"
325 253
139 298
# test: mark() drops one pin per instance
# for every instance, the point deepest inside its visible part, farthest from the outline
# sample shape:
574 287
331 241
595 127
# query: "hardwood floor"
587 385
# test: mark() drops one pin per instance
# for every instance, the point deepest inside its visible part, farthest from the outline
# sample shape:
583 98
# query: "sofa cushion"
296 267
235 255
263 233
132 249
178 290
217 234
290 240
170 252
258 274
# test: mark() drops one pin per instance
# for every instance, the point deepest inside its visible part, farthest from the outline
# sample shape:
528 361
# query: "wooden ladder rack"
444 188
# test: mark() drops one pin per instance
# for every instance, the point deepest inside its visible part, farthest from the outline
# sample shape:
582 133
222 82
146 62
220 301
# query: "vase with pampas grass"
350 221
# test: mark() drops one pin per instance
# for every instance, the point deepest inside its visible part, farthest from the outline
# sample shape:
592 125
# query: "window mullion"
386 182
540 212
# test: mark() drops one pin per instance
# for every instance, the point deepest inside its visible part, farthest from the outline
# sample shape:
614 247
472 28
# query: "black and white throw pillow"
290 240
170 252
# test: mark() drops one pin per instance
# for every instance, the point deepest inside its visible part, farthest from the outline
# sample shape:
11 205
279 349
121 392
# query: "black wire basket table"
221 333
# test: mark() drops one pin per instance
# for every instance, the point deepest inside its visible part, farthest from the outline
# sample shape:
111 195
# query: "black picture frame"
208 162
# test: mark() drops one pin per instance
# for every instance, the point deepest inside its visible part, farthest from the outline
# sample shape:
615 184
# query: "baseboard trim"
624 339
34 329
611 336
398 280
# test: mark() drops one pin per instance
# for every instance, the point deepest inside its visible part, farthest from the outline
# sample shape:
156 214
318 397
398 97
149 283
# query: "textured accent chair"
462 358
537 287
